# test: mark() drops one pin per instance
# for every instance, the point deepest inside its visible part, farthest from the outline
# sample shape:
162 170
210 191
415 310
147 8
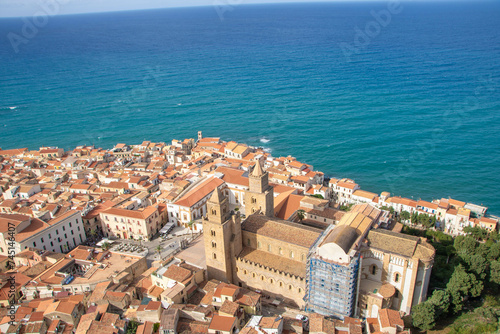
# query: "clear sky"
13 8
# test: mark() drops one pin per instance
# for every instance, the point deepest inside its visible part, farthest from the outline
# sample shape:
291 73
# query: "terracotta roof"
398 243
229 308
387 290
62 217
35 227
199 192
222 323
270 322
177 273
136 214
428 205
390 318
288 204
281 230
347 185
233 176
15 219
364 194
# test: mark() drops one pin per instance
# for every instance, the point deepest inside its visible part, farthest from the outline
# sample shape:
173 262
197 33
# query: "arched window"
253 275
300 290
397 276
254 200
289 287
373 269
281 284
212 232
214 256
214 244
261 278
291 254
214 212
271 281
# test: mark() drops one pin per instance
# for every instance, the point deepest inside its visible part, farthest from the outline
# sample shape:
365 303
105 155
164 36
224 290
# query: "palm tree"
190 224
301 215
105 246
158 250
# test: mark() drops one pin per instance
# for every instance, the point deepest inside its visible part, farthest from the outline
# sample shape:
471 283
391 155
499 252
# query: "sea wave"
264 140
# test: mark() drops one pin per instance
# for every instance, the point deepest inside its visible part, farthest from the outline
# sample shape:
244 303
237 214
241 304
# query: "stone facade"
222 238
260 196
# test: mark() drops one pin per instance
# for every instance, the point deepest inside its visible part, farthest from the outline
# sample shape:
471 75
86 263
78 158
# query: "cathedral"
300 264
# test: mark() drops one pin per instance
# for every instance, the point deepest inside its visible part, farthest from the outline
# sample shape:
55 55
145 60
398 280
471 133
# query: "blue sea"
401 98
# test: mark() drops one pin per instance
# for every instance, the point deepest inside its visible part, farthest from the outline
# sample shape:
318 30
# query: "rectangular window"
64 228
70 224
57 232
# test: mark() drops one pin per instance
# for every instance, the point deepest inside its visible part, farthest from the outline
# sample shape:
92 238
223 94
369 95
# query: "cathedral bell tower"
260 196
217 232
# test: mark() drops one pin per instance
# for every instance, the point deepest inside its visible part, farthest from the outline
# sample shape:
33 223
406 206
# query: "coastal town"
208 236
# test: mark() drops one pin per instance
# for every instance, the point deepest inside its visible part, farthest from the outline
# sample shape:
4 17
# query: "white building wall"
55 237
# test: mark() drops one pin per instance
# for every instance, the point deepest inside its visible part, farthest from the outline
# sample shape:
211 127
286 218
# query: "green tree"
433 221
301 215
190 224
495 271
414 218
494 251
318 196
106 246
132 327
425 220
158 251
423 316
93 233
465 246
156 326
441 301
478 265
345 207
462 284
494 235
405 215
